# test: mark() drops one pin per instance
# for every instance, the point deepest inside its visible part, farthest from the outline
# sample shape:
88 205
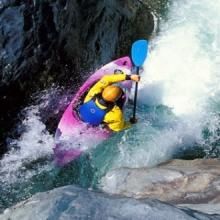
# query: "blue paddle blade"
139 51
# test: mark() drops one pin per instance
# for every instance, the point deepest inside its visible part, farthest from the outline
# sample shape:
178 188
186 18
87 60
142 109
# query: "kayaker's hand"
133 120
135 77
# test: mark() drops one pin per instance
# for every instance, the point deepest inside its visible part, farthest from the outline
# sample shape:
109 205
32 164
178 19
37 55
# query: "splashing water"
181 61
34 143
181 73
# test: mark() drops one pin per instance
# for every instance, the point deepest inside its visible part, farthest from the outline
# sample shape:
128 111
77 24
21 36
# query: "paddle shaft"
135 97
139 51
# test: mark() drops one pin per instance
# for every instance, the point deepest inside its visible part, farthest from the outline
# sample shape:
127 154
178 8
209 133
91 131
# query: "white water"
34 143
32 152
181 72
183 60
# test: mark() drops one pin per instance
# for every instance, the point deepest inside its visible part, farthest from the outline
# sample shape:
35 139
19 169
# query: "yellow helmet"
111 93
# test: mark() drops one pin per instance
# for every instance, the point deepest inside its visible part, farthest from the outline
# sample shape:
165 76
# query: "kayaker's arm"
108 80
103 83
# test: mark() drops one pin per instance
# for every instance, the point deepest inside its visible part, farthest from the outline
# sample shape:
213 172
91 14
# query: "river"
177 112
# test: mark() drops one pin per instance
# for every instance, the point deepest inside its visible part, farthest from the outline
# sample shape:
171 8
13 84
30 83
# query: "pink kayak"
73 136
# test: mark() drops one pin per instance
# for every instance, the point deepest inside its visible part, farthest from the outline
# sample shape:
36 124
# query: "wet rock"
71 202
177 182
66 35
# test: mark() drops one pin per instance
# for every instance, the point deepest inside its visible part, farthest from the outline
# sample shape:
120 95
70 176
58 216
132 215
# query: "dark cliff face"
45 42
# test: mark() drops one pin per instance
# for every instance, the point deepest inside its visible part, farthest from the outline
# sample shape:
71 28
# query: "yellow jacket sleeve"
103 83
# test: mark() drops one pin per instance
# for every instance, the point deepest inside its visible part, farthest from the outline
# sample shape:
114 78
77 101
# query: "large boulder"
71 202
178 181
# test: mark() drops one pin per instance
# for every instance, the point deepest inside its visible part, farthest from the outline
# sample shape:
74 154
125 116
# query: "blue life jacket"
90 113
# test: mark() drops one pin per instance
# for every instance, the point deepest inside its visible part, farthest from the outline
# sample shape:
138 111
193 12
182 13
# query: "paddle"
139 51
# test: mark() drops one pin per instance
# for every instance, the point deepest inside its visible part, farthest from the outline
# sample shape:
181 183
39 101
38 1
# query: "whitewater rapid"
180 86
184 58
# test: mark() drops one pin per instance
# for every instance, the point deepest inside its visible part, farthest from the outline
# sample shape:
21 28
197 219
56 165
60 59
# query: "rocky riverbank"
194 183
71 202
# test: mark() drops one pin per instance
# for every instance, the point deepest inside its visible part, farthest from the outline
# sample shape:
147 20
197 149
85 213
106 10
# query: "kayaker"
102 104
